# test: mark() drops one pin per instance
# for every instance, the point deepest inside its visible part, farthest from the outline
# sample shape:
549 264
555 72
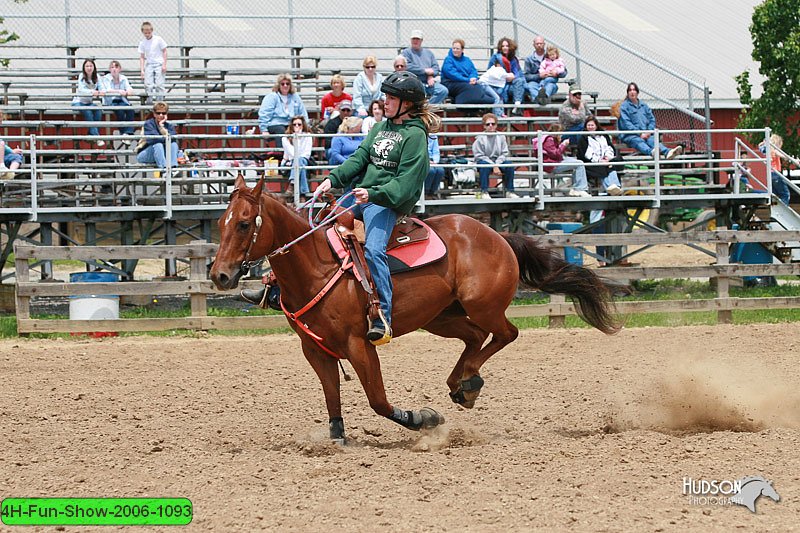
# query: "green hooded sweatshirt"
392 163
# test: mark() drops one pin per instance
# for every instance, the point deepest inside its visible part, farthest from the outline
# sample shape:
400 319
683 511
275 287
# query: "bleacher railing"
69 180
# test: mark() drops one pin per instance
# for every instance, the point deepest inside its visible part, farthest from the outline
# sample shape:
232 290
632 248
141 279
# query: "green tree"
6 37
775 31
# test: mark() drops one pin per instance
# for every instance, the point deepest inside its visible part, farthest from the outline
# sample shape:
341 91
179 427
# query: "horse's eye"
243 225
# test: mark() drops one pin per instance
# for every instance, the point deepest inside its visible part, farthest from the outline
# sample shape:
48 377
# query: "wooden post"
724 316
197 272
557 320
23 303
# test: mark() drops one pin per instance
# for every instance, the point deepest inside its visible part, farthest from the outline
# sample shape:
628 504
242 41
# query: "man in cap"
424 65
332 126
573 115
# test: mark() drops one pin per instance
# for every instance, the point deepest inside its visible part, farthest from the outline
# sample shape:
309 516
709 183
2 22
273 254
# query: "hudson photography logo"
744 491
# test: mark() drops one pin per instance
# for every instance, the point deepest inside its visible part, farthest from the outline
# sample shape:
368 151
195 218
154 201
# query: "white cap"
416 34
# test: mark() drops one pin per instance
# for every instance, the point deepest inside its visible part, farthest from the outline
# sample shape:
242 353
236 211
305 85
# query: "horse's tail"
544 270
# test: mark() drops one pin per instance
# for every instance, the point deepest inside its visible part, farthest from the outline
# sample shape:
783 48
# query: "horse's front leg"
328 373
364 359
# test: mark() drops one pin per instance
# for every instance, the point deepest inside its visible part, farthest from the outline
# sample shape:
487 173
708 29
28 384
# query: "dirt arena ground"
574 431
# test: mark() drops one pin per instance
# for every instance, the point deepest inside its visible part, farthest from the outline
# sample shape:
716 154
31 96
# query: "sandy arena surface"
574 431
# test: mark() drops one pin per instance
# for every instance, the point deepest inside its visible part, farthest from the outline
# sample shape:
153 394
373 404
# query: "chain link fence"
340 35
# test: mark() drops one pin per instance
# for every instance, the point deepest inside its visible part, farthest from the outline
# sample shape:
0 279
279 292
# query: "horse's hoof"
430 418
468 392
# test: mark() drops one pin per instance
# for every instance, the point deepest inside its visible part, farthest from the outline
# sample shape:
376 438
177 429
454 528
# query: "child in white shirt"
153 63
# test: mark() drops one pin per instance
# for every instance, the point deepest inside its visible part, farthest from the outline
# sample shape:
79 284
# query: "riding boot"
380 331
269 296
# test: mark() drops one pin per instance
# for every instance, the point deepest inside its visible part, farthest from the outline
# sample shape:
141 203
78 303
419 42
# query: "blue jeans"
483 172
303 175
611 179
156 154
496 99
378 224
437 93
579 180
124 115
779 187
91 114
433 180
550 86
643 146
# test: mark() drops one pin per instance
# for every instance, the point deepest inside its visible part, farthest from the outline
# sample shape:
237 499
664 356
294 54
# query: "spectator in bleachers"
492 150
550 70
344 146
89 87
400 64
155 149
435 174
153 63
330 102
367 86
494 79
117 91
279 106
461 78
376 114
539 93
598 148
422 63
573 114
636 115
297 150
555 162
332 126
11 160
506 57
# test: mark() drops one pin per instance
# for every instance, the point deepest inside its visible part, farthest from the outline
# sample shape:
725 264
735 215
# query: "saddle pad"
402 256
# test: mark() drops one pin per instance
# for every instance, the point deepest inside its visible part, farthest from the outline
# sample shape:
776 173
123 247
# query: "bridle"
315 224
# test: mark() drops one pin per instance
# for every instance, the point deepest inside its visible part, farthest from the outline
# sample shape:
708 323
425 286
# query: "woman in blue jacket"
279 106
460 77
155 150
636 115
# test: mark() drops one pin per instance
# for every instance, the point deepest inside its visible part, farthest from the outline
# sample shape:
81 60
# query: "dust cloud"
707 395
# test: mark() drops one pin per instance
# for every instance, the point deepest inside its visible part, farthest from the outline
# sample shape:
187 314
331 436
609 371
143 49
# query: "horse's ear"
259 187
239 183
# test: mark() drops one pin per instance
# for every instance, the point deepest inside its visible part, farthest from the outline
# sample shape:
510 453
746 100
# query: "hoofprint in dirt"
573 431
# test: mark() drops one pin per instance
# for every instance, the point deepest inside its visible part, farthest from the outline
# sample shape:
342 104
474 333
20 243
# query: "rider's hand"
361 194
324 187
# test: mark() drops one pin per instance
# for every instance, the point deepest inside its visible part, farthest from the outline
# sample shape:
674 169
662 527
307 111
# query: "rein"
315 224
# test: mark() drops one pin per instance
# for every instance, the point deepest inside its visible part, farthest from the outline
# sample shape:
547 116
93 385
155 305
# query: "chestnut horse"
462 296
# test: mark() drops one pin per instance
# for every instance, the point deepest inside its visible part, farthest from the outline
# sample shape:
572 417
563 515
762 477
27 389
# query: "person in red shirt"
330 102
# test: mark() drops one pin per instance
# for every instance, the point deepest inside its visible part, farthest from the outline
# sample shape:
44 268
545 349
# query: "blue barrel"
572 255
90 306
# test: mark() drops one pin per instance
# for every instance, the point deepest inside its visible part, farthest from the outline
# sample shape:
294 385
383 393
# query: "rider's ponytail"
427 113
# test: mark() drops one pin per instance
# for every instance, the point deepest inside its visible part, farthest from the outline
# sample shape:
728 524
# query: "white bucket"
93 307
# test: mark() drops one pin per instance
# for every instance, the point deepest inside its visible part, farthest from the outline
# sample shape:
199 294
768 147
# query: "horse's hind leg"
364 360
481 318
328 373
459 326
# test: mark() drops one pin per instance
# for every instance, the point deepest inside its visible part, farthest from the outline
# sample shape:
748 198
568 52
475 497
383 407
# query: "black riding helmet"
405 86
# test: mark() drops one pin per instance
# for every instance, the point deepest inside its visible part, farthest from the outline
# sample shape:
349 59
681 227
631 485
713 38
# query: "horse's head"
243 235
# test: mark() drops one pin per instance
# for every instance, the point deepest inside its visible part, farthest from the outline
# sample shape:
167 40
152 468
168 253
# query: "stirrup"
379 332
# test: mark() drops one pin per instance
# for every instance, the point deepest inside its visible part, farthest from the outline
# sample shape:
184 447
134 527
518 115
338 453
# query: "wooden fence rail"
198 286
